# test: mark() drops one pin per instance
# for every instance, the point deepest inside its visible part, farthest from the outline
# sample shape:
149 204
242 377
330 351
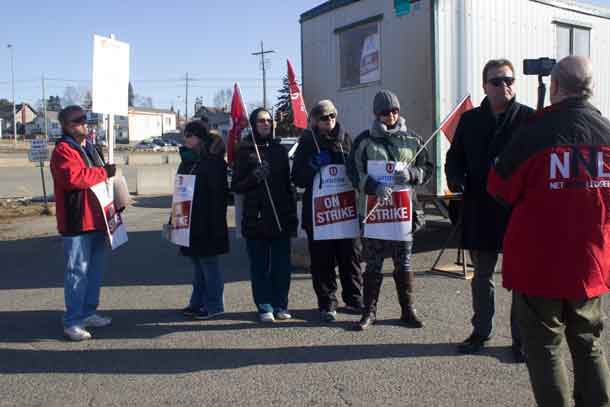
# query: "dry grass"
13 209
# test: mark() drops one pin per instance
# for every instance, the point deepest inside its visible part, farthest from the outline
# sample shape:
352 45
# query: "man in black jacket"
327 143
481 135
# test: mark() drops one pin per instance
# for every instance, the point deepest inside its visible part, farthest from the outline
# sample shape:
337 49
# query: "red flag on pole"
239 121
451 122
299 112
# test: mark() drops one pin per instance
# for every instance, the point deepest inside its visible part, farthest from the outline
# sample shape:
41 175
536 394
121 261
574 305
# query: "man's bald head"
572 77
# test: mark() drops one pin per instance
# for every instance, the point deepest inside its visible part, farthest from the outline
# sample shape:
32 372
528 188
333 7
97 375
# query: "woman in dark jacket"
268 243
327 143
203 156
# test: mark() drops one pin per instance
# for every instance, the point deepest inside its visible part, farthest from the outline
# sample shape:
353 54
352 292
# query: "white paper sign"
333 205
115 228
182 209
390 220
110 76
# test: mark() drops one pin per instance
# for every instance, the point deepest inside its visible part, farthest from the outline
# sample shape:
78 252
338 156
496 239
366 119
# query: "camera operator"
481 135
556 176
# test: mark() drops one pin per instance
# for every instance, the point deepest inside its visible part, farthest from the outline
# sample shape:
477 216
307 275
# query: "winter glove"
402 177
262 172
383 192
456 185
110 170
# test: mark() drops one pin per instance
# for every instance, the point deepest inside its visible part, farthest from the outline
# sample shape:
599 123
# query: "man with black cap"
389 139
76 166
324 144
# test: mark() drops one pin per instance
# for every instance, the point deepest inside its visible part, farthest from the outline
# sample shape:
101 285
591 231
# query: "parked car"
147 146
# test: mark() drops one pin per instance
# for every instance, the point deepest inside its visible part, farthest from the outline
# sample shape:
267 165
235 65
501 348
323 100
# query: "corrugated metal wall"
406 64
471 32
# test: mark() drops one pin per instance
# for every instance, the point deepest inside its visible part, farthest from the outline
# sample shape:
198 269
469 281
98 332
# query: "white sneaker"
283 315
77 333
266 317
96 321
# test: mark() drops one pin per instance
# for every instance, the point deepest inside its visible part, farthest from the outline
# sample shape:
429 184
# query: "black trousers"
325 255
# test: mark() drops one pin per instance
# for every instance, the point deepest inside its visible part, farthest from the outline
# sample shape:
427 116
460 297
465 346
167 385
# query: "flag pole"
260 161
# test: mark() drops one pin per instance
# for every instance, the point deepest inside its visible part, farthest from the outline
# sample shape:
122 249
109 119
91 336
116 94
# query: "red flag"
299 112
239 121
451 122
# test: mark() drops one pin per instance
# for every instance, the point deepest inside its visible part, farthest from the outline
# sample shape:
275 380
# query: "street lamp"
10 47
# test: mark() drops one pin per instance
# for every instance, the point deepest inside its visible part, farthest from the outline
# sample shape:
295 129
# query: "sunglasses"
79 120
389 112
507 80
264 120
327 117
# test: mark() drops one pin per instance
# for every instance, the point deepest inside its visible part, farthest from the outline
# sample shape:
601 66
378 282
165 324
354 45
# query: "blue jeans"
208 285
86 260
270 270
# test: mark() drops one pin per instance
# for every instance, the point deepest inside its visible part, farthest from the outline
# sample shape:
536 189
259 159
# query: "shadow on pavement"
146 259
175 361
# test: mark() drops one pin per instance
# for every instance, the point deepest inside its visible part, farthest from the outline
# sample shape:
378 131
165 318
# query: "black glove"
456 187
110 170
262 172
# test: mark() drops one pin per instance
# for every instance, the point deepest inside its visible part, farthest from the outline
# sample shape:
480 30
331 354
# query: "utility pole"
10 46
262 53
186 99
44 109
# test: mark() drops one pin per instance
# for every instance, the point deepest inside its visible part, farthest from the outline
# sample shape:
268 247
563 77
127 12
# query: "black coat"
209 233
479 138
258 221
338 144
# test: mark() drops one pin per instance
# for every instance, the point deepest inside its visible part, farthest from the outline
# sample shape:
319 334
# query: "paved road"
153 356
26 181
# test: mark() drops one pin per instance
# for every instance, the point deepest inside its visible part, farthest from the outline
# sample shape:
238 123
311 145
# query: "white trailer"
431 54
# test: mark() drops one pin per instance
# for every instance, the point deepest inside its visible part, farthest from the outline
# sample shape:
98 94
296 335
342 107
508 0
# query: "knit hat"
323 108
385 100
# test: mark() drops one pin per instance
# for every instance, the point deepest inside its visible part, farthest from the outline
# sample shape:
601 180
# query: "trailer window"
573 40
360 55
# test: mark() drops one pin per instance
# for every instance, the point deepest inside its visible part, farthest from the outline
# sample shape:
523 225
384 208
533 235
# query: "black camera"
540 66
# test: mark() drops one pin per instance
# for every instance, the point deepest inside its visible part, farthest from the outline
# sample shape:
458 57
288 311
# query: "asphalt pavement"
151 355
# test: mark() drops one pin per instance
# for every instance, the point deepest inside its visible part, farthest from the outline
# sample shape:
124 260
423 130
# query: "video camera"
541 67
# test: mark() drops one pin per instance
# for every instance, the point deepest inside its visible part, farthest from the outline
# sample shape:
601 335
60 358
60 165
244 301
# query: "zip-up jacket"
555 174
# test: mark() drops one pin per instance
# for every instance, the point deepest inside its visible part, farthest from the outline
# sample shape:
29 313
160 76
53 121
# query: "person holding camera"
324 144
555 175
76 166
481 135
269 216
388 140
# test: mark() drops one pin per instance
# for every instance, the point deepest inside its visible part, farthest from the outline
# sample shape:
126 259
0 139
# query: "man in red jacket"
76 166
555 175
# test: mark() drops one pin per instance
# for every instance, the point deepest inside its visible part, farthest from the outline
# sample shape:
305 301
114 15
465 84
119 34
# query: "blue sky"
210 39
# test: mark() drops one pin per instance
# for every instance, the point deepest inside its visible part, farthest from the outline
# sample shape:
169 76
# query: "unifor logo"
389 167
333 171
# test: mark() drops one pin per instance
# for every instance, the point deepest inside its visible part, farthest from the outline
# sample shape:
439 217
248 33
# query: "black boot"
372 285
404 289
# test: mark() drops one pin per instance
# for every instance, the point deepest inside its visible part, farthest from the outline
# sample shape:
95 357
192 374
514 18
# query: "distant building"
37 126
218 119
145 123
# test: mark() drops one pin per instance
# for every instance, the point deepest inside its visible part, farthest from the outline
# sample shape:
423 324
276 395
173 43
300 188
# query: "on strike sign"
391 220
182 208
334 205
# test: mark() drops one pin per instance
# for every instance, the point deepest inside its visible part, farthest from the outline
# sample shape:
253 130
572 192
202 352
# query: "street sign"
39 151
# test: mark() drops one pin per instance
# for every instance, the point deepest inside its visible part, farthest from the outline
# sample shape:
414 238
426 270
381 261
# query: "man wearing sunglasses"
76 166
482 135
327 143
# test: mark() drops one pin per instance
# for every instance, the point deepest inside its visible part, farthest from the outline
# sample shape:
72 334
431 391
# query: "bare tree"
223 98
